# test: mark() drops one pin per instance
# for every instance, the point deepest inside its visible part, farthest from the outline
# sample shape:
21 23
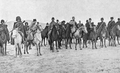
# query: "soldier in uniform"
118 22
90 22
102 23
87 25
111 24
57 24
80 24
63 24
51 26
73 22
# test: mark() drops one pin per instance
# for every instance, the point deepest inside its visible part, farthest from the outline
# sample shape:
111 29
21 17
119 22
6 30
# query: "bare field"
101 60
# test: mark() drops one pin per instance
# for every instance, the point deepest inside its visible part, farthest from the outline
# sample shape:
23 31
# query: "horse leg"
37 48
102 42
70 43
105 42
109 41
53 47
44 43
115 41
95 44
56 46
92 44
19 48
5 48
80 44
118 40
66 43
25 46
16 49
76 45
84 44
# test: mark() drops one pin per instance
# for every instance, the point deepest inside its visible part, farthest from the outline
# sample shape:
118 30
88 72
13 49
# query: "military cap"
111 18
34 20
57 20
53 18
102 18
118 18
90 19
73 17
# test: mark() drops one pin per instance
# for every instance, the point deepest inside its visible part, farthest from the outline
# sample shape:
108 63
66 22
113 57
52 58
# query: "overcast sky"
43 10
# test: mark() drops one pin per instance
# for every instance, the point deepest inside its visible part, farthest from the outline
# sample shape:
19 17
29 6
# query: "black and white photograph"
59 36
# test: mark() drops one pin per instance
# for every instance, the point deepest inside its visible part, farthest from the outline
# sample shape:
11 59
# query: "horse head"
83 28
14 33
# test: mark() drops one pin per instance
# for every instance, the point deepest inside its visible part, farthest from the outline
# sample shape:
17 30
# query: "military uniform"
100 26
74 23
111 24
118 23
50 28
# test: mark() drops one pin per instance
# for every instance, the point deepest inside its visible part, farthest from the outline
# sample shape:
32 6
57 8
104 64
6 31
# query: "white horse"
78 35
18 41
38 39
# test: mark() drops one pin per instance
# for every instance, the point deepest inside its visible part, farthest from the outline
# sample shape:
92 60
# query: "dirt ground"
101 60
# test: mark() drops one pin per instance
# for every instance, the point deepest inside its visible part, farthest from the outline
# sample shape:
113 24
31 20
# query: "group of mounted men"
24 27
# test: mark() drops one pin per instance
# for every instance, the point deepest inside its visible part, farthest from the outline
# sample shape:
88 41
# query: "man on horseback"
50 27
19 24
111 24
32 27
74 25
89 24
100 26
118 22
57 24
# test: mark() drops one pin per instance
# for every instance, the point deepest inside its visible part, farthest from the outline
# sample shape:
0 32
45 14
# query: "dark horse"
68 36
115 32
44 34
62 32
53 37
92 35
4 37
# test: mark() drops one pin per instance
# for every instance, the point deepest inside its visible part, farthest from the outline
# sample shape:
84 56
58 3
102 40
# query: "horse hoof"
57 51
80 49
27 52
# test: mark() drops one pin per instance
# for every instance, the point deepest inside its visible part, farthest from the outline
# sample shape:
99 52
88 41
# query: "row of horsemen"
25 29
